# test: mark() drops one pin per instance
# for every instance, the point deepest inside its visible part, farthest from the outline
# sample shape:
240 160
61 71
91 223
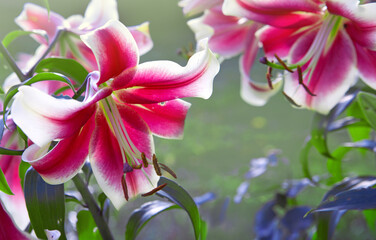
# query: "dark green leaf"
71 198
367 103
68 67
18 33
45 204
6 151
180 196
304 157
334 164
144 214
24 166
370 216
86 227
4 187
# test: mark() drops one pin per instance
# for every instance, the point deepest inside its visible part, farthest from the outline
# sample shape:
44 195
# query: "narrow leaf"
180 196
10 37
45 204
4 187
367 103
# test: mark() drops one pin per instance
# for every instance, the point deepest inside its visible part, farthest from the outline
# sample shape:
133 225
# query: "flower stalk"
93 207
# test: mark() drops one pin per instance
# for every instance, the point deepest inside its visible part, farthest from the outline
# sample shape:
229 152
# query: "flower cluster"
323 46
111 118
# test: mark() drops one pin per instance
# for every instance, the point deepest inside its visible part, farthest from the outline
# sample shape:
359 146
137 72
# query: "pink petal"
160 81
8 229
192 7
278 40
107 162
366 65
114 48
65 159
164 119
227 34
44 118
141 34
99 12
34 17
287 13
334 74
252 92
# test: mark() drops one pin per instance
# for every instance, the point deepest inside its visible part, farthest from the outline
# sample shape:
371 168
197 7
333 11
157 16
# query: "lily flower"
230 36
98 12
333 43
193 7
125 104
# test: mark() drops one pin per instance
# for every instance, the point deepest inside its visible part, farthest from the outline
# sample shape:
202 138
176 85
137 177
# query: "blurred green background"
222 134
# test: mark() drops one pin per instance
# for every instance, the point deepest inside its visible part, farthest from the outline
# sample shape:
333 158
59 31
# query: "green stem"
12 63
93 207
30 73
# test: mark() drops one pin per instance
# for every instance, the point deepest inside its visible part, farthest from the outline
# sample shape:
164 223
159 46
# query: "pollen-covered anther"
127 168
283 63
125 188
167 169
154 190
290 100
144 160
139 166
156 166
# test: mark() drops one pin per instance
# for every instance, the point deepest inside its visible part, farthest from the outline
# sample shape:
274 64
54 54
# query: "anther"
156 166
127 168
300 79
154 190
290 100
283 63
268 77
144 160
263 60
167 169
125 188
139 166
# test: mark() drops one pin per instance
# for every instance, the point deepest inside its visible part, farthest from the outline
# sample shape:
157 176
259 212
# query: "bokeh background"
222 134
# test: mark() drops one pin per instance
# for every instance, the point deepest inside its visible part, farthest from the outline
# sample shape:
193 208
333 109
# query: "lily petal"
227 34
366 65
107 162
164 119
65 159
333 75
160 81
142 37
8 229
44 118
98 12
112 43
34 17
192 7
287 13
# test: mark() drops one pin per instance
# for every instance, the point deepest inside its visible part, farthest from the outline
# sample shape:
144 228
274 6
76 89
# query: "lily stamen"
154 190
167 169
139 166
269 77
156 166
125 188
290 100
144 160
127 168
283 63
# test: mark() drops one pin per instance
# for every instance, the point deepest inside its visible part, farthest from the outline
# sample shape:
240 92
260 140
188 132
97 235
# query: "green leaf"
7 151
304 157
22 169
370 216
45 204
334 164
46 3
86 227
178 195
318 134
4 187
144 214
37 78
367 103
10 37
68 67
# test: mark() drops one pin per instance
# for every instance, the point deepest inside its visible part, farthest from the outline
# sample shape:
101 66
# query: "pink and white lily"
98 12
332 41
230 36
8 230
125 103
